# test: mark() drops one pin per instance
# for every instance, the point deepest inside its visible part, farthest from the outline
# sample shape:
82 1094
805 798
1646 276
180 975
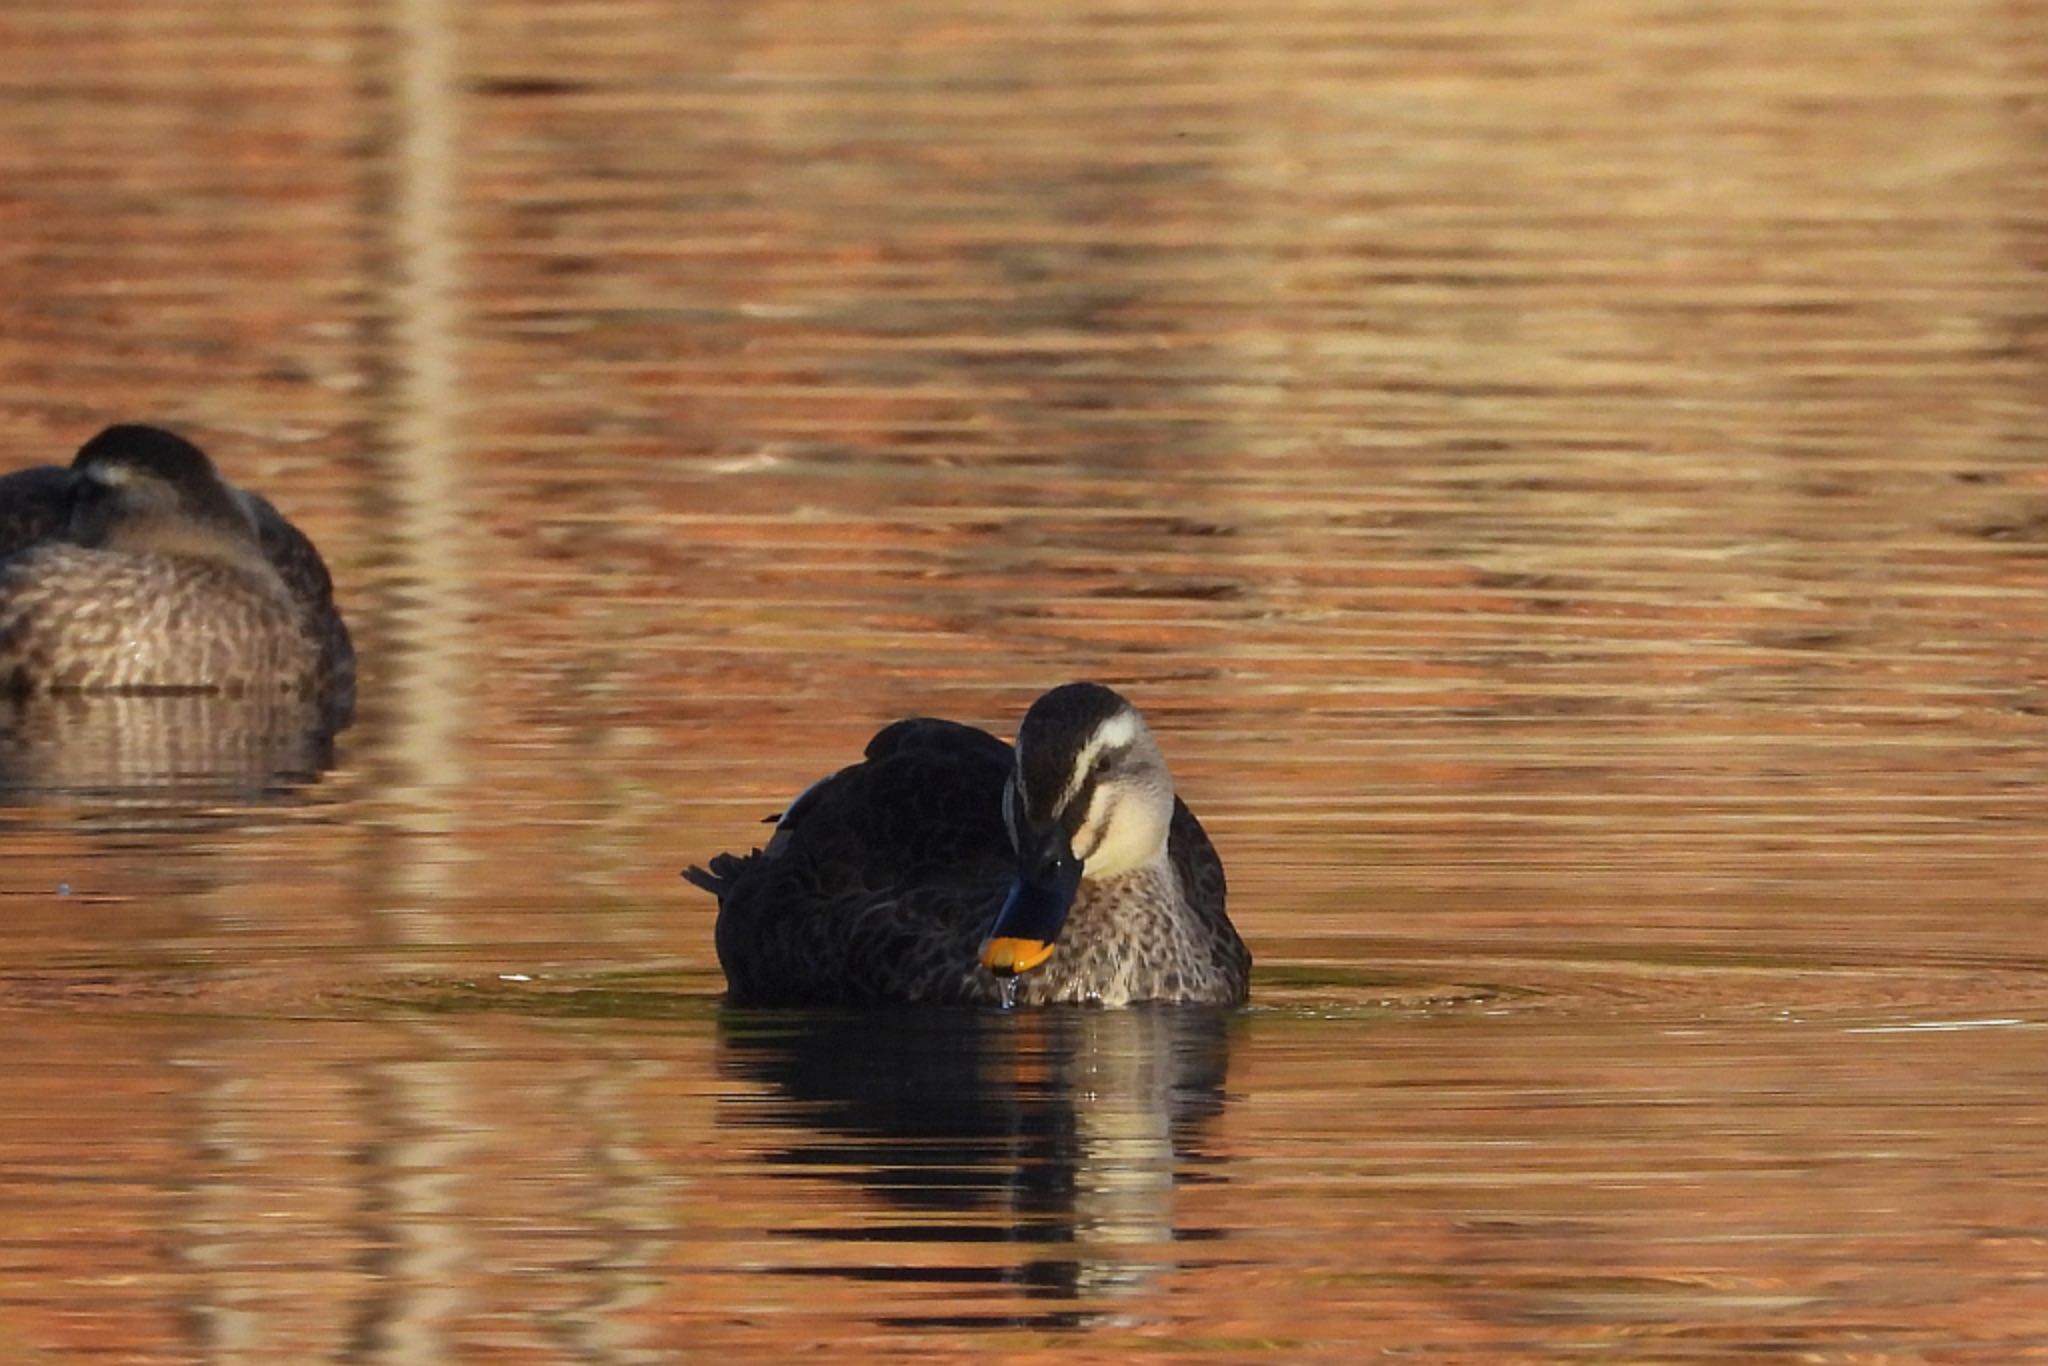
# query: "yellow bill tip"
1007 956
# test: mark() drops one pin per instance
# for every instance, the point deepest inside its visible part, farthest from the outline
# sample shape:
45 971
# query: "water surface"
1565 484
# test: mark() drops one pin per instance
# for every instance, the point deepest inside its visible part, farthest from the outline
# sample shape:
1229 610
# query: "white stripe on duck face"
1125 829
1115 733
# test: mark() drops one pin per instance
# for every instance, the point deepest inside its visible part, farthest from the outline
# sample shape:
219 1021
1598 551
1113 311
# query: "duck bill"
1028 926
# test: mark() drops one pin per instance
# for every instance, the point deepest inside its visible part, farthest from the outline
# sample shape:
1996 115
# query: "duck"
140 569
949 867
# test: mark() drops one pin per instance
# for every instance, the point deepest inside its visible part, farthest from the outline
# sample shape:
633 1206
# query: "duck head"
1089 799
144 489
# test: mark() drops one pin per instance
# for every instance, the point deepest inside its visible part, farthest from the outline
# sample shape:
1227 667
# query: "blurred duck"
140 570
949 867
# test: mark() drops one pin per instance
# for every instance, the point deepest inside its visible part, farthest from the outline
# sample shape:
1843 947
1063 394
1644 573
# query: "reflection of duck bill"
1028 926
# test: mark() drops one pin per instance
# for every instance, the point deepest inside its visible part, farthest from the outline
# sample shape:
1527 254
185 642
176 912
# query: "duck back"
879 881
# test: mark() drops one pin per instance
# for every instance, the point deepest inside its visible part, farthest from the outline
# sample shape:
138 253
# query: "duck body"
891 880
139 569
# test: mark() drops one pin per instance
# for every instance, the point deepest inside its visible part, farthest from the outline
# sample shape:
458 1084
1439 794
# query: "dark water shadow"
1061 1134
159 750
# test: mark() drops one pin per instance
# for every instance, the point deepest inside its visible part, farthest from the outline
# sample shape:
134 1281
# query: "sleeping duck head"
145 490
1090 799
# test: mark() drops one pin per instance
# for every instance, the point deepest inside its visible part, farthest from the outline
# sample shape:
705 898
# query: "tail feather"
718 879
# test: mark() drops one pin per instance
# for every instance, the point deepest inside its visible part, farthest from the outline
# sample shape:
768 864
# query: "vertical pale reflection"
632 1205
1123 1129
414 1170
417 1172
230 1332
426 689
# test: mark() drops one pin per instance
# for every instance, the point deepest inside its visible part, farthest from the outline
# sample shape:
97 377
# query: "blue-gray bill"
1028 926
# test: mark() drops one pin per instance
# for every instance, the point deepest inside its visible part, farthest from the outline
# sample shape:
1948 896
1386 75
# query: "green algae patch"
601 996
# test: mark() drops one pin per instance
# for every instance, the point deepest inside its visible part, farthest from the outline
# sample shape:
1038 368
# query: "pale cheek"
1088 839
1119 838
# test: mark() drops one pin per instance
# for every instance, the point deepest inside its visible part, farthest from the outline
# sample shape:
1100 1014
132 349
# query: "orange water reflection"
1565 484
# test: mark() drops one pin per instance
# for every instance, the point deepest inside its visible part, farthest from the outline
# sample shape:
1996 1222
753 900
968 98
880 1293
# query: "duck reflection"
1063 1132
158 747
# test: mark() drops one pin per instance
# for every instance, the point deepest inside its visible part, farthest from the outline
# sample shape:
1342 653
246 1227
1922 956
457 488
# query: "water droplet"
1009 988
63 889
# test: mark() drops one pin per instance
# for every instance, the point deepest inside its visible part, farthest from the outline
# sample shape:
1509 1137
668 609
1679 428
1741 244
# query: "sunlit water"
1565 483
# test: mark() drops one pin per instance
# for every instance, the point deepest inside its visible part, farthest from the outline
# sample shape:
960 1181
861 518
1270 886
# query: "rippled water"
1565 482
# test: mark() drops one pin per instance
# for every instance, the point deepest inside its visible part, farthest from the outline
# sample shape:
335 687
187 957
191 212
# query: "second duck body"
139 569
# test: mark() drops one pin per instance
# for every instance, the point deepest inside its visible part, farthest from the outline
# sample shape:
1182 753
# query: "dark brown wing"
34 503
1200 870
1195 861
297 561
879 882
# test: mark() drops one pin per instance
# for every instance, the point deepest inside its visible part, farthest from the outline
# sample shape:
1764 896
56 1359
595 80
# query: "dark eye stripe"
1077 810
1101 832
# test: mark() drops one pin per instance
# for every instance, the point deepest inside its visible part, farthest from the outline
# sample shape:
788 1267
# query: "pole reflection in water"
1061 1133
